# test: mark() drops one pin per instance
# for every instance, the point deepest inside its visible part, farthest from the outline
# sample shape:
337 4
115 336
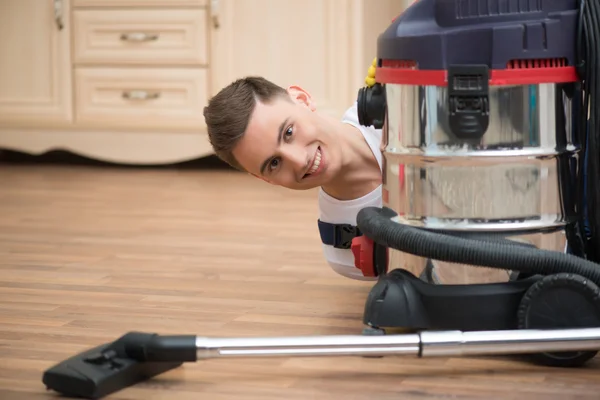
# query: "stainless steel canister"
509 181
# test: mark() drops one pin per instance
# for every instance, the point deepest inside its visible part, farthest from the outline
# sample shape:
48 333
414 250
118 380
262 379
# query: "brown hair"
228 113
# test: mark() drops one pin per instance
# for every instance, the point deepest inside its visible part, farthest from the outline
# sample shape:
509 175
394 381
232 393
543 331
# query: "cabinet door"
315 44
35 71
325 46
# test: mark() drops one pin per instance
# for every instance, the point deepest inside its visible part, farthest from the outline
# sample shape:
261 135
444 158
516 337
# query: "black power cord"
588 124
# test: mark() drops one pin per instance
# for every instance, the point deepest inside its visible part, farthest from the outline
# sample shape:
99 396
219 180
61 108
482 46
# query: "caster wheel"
558 301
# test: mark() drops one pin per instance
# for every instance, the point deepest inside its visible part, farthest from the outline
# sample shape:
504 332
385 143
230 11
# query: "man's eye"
289 131
274 163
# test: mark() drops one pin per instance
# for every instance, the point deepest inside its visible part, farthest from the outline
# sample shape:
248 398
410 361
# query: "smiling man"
279 136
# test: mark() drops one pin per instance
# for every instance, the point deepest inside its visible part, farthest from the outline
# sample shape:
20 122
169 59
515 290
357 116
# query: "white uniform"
335 211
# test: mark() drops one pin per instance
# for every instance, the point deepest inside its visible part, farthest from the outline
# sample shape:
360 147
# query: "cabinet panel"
288 42
140 3
140 36
35 70
170 98
324 46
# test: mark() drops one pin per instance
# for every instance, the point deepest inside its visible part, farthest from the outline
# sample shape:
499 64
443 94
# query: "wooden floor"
88 253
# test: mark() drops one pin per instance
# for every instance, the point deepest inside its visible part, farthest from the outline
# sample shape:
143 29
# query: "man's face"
288 144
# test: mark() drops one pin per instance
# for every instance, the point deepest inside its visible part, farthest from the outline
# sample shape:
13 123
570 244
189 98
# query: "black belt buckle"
343 235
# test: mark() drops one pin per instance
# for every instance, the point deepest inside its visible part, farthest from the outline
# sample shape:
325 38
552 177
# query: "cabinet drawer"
140 37
139 3
141 98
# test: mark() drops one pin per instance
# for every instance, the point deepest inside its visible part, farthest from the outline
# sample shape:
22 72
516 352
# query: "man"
279 136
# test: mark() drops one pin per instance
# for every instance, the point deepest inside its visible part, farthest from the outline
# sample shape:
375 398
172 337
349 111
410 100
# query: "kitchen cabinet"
126 80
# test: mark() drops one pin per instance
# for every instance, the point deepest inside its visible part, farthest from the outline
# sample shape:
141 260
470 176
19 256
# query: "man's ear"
301 96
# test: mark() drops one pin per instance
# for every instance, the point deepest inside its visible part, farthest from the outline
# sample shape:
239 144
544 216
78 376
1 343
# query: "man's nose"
295 156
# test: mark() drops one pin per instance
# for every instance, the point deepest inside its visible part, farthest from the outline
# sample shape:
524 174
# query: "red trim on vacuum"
518 72
363 251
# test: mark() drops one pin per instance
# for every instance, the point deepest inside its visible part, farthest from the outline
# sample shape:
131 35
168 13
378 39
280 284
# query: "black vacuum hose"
375 223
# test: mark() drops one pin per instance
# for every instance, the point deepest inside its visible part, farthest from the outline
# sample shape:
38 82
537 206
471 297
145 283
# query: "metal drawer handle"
140 95
58 14
139 37
214 10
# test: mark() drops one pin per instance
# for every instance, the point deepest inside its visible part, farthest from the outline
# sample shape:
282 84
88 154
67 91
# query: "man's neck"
360 173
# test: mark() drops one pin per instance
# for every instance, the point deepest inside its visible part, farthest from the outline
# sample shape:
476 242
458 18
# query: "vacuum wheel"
558 301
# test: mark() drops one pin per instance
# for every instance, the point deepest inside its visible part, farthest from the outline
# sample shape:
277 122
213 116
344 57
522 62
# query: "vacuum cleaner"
488 241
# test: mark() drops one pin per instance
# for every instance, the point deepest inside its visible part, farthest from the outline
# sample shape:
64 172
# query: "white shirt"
336 211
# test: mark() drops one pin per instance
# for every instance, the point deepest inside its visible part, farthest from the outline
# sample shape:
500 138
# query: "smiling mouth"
316 165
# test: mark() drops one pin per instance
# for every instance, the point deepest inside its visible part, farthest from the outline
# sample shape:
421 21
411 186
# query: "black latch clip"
468 101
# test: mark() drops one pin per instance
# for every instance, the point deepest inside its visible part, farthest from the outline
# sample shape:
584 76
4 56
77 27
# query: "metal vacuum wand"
138 356
423 344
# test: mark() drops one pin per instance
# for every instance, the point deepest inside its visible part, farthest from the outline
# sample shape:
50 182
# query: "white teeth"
316 163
